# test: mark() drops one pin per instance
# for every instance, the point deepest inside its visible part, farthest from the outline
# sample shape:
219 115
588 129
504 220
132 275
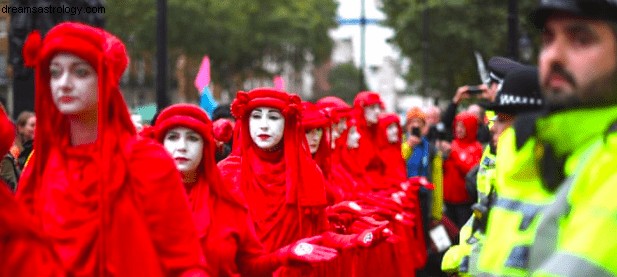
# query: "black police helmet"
595 9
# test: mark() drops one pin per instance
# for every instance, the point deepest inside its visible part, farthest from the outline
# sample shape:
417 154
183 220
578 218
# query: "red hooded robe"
338 110
465 153
367 154
24 250
107 205
224 226
284 188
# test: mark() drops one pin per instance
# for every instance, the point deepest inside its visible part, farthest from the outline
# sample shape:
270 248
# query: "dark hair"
222 111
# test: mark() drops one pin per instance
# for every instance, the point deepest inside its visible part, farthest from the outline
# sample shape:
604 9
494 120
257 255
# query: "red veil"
281 186
106 205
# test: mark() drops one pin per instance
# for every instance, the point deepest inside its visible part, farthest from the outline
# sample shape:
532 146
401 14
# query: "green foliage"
344 79
457 28
238 35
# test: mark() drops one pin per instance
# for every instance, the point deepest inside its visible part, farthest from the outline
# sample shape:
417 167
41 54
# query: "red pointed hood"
470 121
304 181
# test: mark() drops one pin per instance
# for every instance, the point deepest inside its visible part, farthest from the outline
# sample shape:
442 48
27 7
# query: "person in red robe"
338 112
366 110
24 250
221 216
318 135
272 167
113 204
389 145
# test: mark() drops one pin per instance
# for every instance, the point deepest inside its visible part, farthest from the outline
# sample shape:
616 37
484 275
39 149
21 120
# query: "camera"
415 131
442 133
474 90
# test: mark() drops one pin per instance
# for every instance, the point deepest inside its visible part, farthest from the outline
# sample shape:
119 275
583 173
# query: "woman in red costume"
389 145
272 166
403 191
221 216
24 251
317 128
338 112
366 110
112 204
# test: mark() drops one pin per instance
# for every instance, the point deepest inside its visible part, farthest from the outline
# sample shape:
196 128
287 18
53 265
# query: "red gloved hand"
345 207
384 202
372 237
306 251
366 222
341 221
340 241
222 129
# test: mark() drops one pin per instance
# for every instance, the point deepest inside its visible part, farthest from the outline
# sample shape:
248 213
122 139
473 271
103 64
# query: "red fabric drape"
106 205
284 189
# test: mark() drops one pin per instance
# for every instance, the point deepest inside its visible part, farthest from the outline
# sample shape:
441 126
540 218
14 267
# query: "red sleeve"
24 251
252 261
164 204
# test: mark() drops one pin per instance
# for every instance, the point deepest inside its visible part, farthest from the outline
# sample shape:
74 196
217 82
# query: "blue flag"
207 101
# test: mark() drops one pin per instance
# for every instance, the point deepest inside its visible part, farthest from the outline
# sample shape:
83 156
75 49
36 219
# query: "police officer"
577 138
520 93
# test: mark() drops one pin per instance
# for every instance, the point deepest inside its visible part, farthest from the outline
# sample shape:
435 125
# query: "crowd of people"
513 178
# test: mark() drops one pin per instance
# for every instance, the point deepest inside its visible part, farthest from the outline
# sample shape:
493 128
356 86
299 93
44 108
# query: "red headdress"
313 118
107 55
470 121
348 158
367 151
335 107
304 181
386 120
209 180
394 171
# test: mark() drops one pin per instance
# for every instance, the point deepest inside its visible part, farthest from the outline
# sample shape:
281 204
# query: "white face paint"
335 132
371 113
392 133
353 138
74 85
313 137
342 125
186 147
266 126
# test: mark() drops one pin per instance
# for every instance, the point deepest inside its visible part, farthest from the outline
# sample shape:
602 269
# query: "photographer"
498 67
416 146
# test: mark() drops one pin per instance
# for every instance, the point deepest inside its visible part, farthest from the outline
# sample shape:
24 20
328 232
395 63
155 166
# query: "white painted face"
342 125
186 147
266 126
392 133
353 138
74 85
335 132
371 113
313 137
